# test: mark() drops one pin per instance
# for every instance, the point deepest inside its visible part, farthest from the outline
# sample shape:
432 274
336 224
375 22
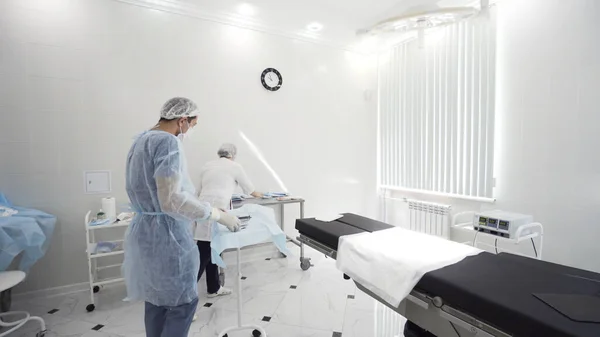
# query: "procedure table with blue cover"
28 232
277 203
262 227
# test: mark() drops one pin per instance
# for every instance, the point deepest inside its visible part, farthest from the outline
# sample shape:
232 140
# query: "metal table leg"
256 329
282 207
5 300
304 262
282 223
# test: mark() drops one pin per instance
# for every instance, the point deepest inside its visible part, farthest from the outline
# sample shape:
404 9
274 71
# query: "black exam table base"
420 309
417 306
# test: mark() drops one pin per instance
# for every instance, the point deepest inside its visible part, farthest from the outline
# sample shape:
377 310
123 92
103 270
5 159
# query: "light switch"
97 182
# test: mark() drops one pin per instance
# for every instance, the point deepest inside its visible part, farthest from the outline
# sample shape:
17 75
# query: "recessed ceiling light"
314 27
246 9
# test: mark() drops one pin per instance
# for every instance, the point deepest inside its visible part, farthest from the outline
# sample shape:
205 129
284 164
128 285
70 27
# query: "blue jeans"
169 321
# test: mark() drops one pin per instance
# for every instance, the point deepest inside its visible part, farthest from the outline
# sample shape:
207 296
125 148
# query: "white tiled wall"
78 79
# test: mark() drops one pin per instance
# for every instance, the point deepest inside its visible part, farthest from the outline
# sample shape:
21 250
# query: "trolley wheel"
90 307
222 279
225 335
305 264
5 300
41 334
96 289
346 277
256 333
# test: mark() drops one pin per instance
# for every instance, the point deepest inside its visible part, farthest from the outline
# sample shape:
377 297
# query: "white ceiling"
341 19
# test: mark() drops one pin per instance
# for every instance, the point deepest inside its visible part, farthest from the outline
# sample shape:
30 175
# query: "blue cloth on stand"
262 227
29 231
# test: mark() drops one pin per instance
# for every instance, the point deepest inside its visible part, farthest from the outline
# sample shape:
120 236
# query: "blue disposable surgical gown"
161 259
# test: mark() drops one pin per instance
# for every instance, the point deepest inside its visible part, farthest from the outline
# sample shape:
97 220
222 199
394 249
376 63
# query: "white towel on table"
391 262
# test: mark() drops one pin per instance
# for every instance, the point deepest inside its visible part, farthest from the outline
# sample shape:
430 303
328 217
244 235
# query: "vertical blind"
436 111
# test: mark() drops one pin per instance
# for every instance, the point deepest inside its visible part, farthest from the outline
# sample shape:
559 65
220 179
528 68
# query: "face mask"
187 134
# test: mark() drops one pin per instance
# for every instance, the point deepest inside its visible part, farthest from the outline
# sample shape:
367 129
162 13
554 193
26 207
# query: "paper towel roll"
109 206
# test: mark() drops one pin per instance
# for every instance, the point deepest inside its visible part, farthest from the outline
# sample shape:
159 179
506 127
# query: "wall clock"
271 79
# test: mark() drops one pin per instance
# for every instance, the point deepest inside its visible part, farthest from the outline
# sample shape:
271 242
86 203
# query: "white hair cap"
227 150
179 107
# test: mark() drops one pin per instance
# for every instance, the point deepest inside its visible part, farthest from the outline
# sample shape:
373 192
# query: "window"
436 111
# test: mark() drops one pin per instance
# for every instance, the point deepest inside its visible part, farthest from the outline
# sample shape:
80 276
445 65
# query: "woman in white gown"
218 181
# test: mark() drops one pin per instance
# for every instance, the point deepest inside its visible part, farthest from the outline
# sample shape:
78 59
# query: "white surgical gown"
218 181
161 259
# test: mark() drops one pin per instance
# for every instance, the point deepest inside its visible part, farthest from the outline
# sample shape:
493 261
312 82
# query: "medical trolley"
95 252
511 229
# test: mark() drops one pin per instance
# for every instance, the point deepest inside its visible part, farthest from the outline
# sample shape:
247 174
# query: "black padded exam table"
485 294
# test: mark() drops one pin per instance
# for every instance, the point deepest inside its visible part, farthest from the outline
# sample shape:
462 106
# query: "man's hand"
230 221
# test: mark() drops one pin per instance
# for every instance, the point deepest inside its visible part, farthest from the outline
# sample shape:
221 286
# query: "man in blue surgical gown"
161 259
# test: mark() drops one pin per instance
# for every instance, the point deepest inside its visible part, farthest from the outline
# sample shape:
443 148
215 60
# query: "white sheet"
391 262
328 217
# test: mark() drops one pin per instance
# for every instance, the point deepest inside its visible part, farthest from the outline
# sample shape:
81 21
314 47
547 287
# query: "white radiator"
430 218
424 217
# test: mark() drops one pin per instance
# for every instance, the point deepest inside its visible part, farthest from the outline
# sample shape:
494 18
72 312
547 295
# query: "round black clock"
271 79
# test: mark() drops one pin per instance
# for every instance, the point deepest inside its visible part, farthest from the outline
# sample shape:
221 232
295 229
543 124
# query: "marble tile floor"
277 295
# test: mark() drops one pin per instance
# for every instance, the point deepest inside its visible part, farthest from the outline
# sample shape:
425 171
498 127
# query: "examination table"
482 295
